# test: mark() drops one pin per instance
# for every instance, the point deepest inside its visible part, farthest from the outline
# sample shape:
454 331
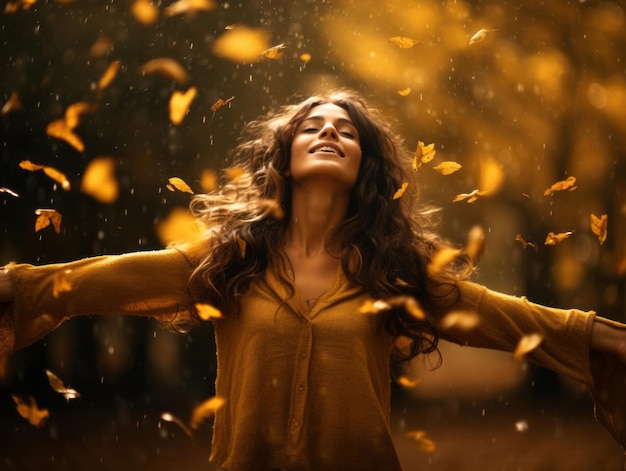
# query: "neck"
317 208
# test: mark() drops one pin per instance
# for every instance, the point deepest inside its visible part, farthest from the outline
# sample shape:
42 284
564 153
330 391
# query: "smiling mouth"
326 150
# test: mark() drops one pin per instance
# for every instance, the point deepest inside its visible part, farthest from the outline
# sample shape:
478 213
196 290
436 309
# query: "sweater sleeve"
565 347
150 284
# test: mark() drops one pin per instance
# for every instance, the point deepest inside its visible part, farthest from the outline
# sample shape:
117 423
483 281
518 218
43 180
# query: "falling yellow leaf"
491 175
61 282
480 35
405 91
51 172
13 7
57 386
423 154
189 6
374 307
208 181
462 320
145 12
101 47
166 67
447 167
406 382
275 52
475 242
469 197
241 44
168 417
219 103
233 173
402 42
527 344
45 217
179 184
207 312
526 244
441 259
423 441
13 104
554 238
99 180
599 226
179 104
179 226
29 410
8 191
400 191
567 184
205 411
109 75
75 111
60 130
305 57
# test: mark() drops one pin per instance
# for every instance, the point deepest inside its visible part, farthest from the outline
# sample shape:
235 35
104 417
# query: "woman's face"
326 145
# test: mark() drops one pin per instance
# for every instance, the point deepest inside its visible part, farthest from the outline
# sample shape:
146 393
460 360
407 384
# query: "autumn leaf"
447 168
13 7
527 344
599 226
423 154
29 410
13 104
241 44
233 173
45 217
406 382
166 67
480 35
441 259
51 172
400 191
60 130
75 111
168 417
402 42
475 242
374 307
526 244
219 103
179 226
8 191
205 411
469 197
404 92
207 312
275 52
178 184
305 57
61 282
567 184
101 47
111 72
423 441
462 320
208 181
189 6
554 238
145 12
99 180
179 104
57 386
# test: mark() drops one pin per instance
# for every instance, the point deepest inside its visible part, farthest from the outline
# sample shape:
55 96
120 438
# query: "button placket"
299 388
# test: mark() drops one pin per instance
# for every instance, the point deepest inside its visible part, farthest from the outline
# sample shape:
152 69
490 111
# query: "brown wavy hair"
384 245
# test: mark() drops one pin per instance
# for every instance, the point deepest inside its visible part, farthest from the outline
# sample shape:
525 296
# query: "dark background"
542 97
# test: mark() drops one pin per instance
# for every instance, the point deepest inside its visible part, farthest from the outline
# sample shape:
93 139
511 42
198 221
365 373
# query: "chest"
313 276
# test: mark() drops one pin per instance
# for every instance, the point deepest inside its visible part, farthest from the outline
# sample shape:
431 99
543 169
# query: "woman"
294 253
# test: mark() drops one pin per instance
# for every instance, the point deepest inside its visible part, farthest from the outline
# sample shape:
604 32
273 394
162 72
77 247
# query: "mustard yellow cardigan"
305 389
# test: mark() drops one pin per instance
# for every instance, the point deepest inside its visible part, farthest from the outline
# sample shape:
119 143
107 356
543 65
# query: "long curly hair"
385 247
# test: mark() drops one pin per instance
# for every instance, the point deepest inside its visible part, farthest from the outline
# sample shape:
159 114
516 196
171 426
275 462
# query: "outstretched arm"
36 299
610 337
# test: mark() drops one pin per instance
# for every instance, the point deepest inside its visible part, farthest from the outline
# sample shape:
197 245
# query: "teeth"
326 149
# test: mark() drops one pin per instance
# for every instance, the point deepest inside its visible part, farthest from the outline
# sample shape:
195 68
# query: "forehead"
328 111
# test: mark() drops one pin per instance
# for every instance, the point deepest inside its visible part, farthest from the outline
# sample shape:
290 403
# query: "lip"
332 145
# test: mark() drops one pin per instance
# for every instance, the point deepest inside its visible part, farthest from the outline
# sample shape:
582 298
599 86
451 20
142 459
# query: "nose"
328 131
